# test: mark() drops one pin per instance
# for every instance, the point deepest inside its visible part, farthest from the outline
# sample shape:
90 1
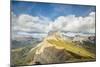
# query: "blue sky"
36 18
50 10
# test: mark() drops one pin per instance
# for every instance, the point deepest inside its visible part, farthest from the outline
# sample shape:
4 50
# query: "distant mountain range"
40 36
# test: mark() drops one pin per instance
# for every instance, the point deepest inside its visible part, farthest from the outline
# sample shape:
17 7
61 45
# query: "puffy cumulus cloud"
61 22
27 23
74 24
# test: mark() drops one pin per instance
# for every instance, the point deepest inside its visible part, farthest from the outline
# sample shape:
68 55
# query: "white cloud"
27 23
75 24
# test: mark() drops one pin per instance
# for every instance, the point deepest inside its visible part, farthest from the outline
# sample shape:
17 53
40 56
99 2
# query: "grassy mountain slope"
69 46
